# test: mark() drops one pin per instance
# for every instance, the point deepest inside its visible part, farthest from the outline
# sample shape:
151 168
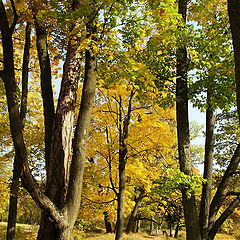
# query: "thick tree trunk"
58 127
46 229
130 225
190 210
208 167
12 213
80 139
234 18
65 217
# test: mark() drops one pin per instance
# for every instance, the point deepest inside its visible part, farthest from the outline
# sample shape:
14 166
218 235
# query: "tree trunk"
46 229
190 210
63 217
132 218
151 227
123 134
121 197
222 191
234 18
176 230
107 223
223 217
58 127
12 213
208 167
138 225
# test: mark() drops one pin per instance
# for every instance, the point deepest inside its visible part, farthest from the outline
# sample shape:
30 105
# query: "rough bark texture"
12 213
208 167
61 136
80 139
65 217
130 225
190 210
46 226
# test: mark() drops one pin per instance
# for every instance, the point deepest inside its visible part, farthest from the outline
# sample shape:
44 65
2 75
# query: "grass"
146 237
23 231
29 232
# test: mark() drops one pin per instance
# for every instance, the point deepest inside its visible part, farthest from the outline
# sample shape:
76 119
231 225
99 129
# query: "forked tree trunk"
123 134
208 168
190 210
63 217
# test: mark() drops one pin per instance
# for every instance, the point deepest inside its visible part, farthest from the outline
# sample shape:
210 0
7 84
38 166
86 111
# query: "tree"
59 214
16 168
147 151
190 210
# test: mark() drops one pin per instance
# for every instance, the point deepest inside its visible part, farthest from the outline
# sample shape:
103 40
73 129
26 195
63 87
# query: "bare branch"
114 199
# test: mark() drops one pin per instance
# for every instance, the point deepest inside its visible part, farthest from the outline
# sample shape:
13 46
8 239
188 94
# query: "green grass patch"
23 231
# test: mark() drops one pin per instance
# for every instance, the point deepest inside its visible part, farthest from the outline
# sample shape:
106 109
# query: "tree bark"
121 174
63 215
234 19
12 213
176 230
123 134
132 218
208 167
138 225
107 223
223 217
190 210
46 229
221 193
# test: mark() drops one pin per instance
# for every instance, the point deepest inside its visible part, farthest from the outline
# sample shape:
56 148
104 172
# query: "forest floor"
143 236
29 232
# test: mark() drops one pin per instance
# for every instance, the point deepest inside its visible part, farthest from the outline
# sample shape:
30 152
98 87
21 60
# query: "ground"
29 232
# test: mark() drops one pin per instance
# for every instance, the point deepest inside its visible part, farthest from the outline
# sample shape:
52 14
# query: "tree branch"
222 187
46 86
223 217
114 199
232 193
110 165
16 17
25 71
